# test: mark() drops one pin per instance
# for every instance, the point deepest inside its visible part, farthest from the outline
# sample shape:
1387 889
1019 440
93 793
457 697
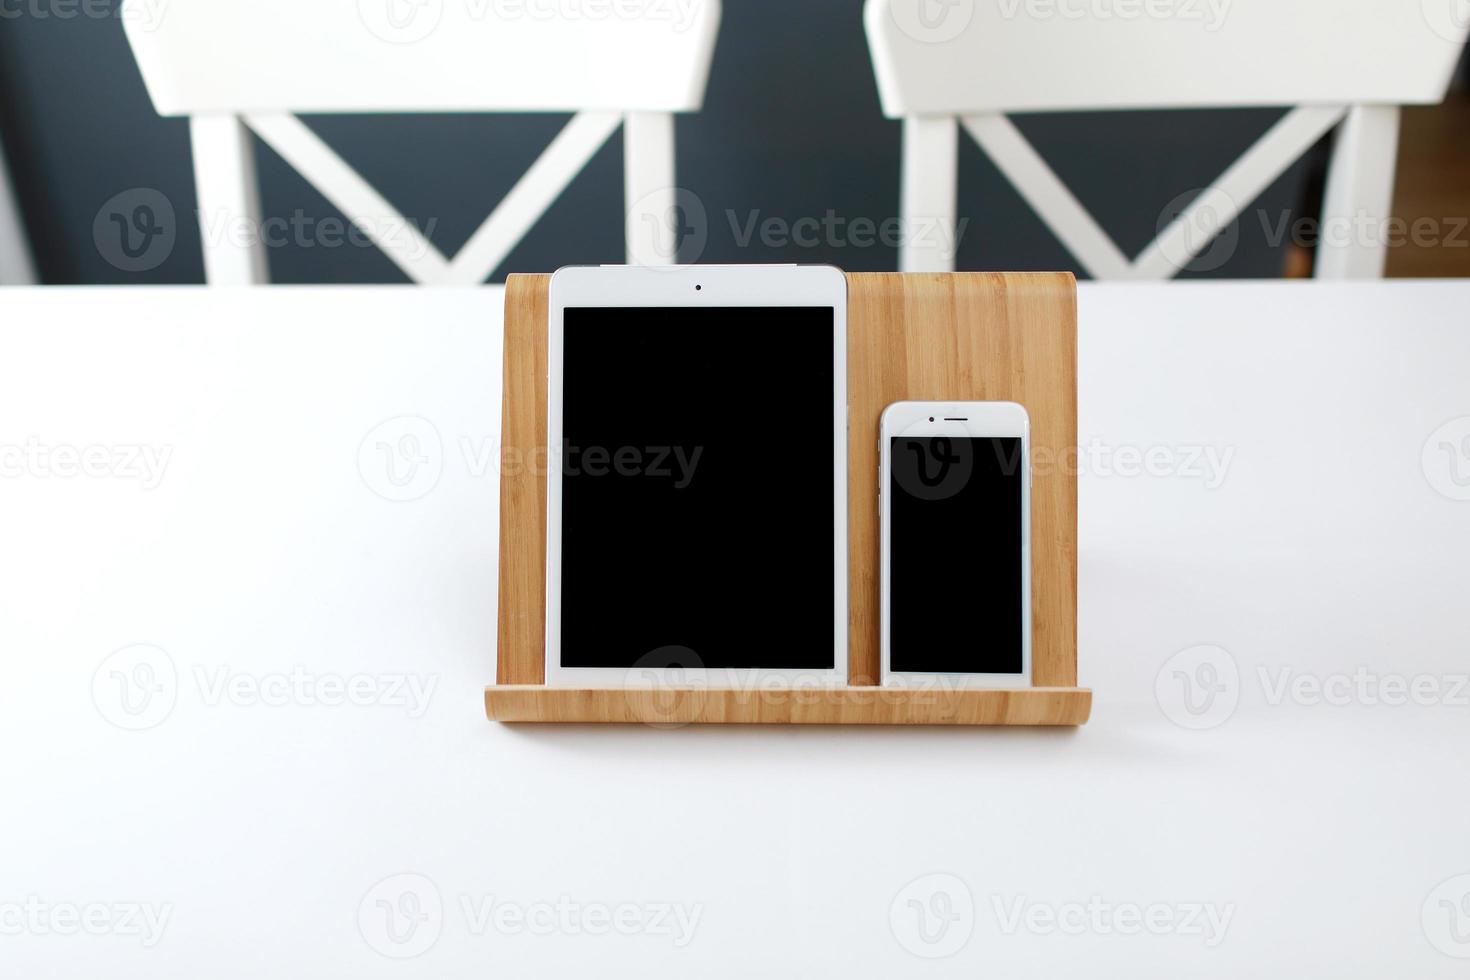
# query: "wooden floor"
1434 183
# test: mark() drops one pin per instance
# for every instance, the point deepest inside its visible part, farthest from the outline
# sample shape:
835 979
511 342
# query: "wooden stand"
957 336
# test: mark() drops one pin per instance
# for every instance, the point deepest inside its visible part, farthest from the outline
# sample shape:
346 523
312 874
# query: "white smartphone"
955 500
696 511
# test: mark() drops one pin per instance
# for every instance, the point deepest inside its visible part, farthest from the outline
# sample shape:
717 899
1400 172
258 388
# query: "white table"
287 608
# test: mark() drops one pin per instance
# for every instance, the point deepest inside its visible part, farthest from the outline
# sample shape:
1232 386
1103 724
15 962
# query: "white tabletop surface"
1273 540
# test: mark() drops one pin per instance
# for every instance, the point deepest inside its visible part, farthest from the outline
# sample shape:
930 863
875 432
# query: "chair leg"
1359 198
229 202
16 267
927 196
650 197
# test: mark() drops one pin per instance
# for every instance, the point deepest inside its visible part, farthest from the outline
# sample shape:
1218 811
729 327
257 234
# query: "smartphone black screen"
956 550
698 501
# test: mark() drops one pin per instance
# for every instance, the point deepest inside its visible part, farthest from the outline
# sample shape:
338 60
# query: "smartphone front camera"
697 287
931 418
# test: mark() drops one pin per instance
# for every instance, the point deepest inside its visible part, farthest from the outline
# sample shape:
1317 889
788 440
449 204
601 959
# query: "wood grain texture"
969 336
521 647
958 336
670 708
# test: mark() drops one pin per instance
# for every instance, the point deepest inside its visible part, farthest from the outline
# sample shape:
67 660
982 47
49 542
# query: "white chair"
16 267
1348 64
233 68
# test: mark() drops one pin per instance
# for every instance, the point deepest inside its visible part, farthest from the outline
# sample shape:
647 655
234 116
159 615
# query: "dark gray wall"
791 129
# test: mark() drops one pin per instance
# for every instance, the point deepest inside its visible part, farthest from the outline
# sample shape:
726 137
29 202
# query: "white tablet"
696 507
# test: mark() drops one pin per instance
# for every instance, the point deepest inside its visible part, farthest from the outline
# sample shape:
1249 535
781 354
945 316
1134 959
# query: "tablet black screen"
697 487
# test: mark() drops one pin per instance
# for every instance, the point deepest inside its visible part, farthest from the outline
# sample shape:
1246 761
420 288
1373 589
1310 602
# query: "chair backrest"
16 267
972 61
229 66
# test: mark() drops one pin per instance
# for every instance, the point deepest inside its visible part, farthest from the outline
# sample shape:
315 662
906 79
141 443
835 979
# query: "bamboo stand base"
926 336
826 706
